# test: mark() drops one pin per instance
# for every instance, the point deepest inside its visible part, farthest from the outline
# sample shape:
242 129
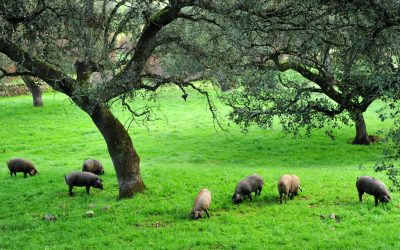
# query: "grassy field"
180 155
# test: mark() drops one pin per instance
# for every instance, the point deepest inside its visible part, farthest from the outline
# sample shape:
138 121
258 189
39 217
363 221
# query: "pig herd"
288 185
87 178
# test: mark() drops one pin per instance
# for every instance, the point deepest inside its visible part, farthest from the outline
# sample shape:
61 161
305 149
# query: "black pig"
372 186
83 179
252 183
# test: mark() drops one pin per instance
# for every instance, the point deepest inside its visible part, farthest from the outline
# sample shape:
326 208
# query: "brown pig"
93 166
21 165
288 185
201 204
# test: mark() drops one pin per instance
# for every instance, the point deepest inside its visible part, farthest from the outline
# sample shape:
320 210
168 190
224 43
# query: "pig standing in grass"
83 179
93 166
21 165
201 204
372 186
252 183
288 185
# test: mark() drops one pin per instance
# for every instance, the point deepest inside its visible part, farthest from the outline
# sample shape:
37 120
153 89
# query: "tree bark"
124 156
361 130
35 90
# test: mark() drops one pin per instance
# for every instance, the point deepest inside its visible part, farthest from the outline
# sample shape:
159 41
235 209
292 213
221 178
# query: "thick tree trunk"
361 130
125 158
35 90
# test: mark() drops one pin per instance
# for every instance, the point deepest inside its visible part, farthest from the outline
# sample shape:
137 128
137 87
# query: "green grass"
179 156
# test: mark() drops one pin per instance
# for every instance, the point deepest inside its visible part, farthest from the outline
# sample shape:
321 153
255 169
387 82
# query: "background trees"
344 56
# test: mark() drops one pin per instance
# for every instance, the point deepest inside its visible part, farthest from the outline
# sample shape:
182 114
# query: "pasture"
180 154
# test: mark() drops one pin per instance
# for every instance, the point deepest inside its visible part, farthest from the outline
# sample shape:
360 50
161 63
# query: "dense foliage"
344 56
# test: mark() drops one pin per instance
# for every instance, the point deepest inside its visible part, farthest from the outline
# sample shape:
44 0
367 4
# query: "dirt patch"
373 138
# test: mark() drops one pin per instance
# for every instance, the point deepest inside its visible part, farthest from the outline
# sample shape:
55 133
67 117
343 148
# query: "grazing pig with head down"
93 166
201 204
83 179
372 186
252 183
288 185
21 165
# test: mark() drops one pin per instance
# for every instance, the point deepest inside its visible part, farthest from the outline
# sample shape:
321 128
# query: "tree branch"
47 72
182 84
328 112
40 8
129 77
5 73
121 25
325 83
108 22
197 19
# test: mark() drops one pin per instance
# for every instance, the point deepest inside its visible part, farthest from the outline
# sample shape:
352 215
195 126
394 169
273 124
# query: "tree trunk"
35 90
361 130
125 159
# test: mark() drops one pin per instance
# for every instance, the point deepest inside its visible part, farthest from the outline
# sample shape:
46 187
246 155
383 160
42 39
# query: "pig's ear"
99 180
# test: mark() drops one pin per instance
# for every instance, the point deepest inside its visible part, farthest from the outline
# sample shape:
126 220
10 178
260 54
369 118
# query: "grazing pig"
288 185
93 166
372 186
252 183
21 165
83 179
201 204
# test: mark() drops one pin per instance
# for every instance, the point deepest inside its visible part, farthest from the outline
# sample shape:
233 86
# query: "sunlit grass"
180 154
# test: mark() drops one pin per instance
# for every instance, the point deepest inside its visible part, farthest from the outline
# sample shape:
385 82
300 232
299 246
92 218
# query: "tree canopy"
338 59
